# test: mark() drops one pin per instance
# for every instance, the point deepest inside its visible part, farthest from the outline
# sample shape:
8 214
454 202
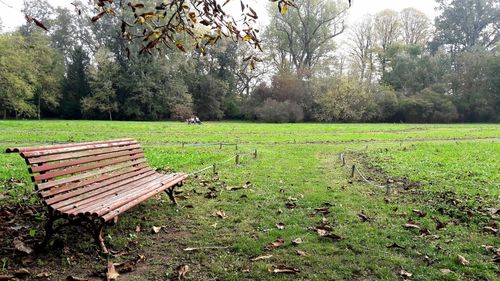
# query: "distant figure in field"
193 120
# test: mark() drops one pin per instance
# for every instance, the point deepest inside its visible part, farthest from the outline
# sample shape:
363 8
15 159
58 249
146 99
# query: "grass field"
443 179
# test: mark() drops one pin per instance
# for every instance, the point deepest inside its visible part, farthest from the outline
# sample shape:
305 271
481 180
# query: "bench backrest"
59 171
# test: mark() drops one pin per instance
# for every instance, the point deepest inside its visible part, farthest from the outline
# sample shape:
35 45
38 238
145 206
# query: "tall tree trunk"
39 102
110 116
5 113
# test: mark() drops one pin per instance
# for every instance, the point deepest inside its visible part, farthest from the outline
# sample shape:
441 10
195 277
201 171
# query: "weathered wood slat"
60 200
52 183
74 170
117 211
52 191
57 146
126 198
48 167
142 187
75 148
66 156
93 195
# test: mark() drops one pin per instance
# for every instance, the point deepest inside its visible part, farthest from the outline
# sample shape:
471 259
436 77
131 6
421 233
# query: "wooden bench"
89 184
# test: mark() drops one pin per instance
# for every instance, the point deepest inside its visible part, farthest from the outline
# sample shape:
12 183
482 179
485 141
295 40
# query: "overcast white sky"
12 17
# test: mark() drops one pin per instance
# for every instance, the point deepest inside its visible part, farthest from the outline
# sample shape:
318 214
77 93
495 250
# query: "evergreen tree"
75 85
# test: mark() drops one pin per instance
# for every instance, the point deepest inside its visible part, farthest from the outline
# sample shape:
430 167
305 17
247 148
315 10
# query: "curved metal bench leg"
49 231
171 195
99 239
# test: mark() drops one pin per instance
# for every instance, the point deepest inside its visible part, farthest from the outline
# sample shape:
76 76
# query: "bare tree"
303 36
387 31
361 40
415 26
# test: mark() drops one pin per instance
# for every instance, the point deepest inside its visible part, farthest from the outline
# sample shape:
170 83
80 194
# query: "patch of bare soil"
463 208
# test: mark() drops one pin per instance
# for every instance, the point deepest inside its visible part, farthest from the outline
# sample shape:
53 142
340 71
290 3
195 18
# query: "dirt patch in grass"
464 207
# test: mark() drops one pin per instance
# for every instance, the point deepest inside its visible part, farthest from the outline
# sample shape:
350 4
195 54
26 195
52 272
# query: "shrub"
181 112
279 112
428 106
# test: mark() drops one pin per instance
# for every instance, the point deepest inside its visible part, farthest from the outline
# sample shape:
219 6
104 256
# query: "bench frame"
93 224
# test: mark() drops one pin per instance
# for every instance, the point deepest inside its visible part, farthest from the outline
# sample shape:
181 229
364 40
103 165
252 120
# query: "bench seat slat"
59 157
87 195
69 171
75 148
115 196
110 215
52 191
53 183
48 167
57 146
157 186
70 196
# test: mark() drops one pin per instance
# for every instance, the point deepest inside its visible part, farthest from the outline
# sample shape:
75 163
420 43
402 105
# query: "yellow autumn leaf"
284 9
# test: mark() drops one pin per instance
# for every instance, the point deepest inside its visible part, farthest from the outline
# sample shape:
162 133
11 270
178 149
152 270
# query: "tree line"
393 67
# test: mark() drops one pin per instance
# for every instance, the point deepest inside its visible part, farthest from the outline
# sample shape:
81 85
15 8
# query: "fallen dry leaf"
489 248
411 226
43 275
126 266
462 260
490 229
156 229
291 205
284 270
111 274
445 270
137 228
220 214
246 270
297 241
323 211
262 258
22 273
325 227
321 232
440 224
280 226
363 217
420 213
276 244
301 253
21 247
182 270
425 231
428 260
332 236
405 274
6 277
